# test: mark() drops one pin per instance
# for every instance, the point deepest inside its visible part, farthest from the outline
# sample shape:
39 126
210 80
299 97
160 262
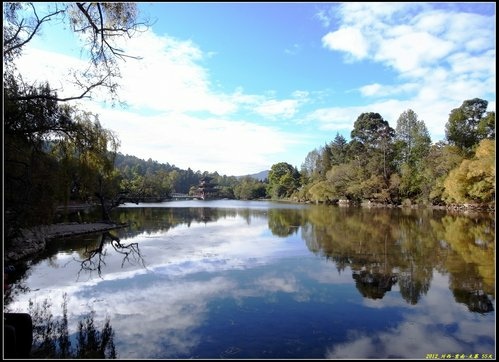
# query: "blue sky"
237 87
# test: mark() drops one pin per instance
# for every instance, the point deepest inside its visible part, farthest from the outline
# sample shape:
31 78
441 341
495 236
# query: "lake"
258 279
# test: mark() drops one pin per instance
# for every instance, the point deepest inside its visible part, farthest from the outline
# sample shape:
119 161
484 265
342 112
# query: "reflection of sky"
225 204
225 244
229 288
425 329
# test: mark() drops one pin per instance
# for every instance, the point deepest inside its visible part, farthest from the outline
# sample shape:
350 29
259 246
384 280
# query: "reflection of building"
207 189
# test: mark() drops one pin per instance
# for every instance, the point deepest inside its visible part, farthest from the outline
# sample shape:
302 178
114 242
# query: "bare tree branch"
55 98
95 259
102 23
39 22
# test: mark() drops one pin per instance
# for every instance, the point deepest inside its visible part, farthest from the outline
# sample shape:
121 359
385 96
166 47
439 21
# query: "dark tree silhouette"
95 259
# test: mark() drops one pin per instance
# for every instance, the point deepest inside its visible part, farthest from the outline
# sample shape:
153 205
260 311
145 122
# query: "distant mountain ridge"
260 176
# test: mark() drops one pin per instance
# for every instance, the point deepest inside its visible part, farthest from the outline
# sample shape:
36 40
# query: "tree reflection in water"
373 285
385 247
95 257
382 247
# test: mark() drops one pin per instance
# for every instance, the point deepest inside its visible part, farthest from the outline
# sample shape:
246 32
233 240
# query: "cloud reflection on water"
166 309
424 330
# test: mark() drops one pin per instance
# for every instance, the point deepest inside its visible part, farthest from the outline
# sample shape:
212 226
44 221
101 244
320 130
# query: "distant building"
207 189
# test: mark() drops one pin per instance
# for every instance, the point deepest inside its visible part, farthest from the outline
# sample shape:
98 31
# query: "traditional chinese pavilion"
207 189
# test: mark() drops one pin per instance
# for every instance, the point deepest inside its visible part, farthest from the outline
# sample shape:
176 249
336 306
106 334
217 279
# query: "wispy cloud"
205 144
441 57
420 333
174 114
379 90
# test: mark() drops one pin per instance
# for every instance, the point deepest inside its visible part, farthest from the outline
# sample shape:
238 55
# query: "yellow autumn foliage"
474 180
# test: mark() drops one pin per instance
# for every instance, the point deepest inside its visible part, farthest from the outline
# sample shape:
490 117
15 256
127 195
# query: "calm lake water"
234 279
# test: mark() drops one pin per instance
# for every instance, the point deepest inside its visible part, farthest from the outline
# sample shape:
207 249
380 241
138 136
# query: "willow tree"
34 117
87 162
30 173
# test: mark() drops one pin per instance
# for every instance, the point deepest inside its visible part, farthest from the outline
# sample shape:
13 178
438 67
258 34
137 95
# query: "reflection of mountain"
383 247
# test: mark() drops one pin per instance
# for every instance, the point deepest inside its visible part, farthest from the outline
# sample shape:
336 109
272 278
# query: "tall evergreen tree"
462 128
339 148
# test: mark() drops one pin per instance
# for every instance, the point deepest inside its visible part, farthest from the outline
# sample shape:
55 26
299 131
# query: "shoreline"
34 240
451 208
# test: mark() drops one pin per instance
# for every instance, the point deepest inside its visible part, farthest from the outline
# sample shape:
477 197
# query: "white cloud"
274 283
371 89
43 66
442 58
301 95
324 16
380 90
435 117
170 81
273 108
169 78
227 145
420 333
334 118
408 52
480 66
374 16
349 40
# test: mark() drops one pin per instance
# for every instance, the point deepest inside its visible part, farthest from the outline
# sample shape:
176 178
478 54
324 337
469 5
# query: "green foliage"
249 188
466 125
51 151
414 136
388 166
412 147
344 180
326 160
51 337
339 150
154 180
376 136
322 191
284 179
487 126
371 130
311 167
440 161
284 223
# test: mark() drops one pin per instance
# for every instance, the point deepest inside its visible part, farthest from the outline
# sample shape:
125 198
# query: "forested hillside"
153 179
